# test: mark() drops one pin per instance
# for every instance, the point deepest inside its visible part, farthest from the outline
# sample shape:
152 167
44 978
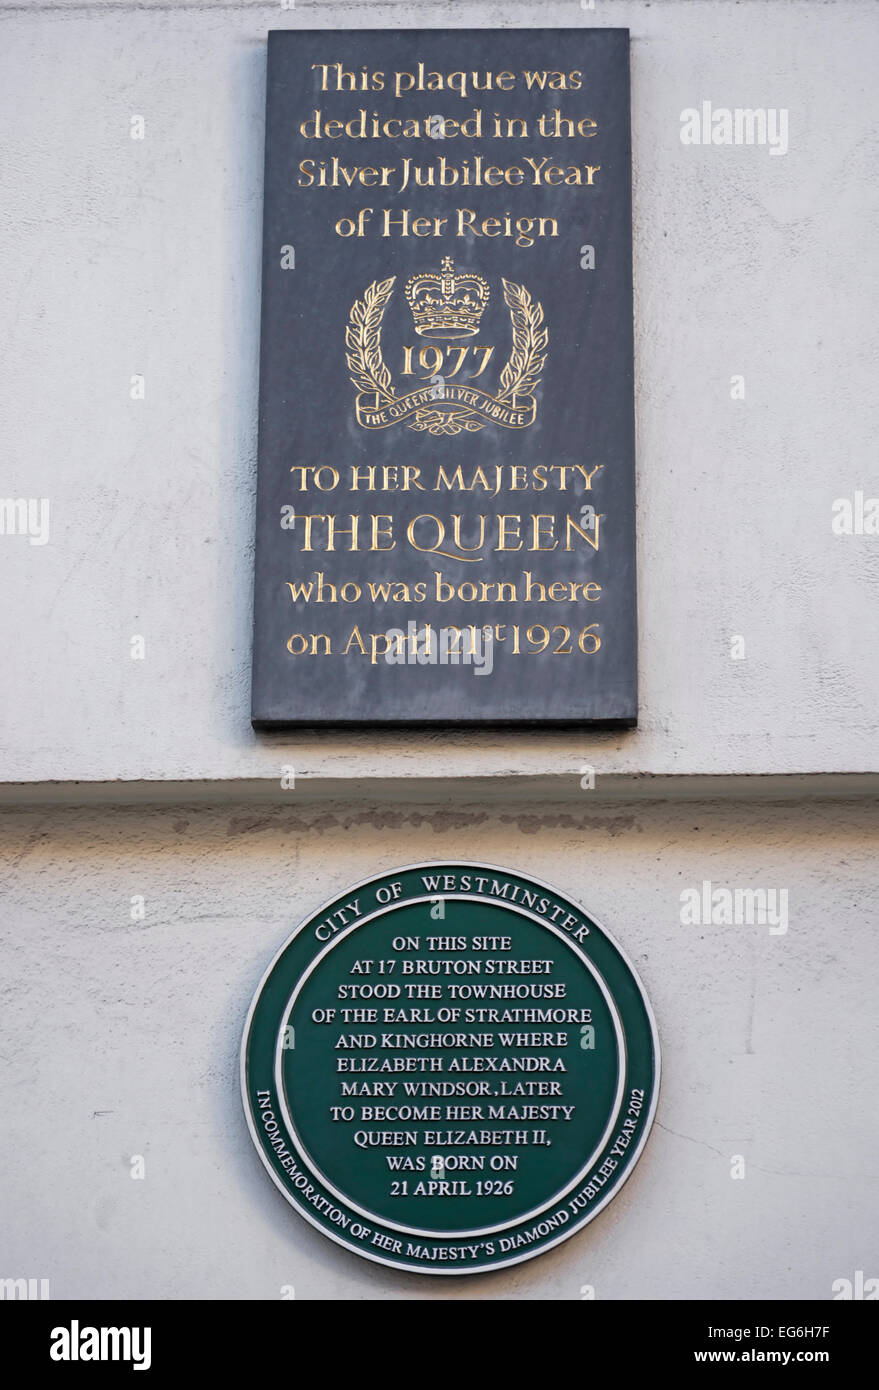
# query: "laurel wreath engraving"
370 373
521 375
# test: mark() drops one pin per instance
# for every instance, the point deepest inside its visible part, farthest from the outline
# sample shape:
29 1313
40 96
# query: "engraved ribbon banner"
516 415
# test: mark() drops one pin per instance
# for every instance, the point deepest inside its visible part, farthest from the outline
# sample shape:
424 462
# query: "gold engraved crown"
448 305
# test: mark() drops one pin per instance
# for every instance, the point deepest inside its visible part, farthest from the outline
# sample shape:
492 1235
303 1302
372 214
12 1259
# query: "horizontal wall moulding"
504 788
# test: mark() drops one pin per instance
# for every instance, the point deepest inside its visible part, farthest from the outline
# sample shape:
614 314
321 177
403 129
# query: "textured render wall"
122 1038
122 257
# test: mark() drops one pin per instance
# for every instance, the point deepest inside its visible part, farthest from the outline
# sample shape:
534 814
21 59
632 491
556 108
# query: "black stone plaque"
445 514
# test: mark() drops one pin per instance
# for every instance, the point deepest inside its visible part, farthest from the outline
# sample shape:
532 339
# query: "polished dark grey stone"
313 415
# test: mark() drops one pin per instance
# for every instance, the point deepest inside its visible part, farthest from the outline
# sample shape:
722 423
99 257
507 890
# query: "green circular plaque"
450 1068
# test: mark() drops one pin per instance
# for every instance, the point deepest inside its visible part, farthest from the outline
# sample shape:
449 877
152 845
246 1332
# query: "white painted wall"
122 1038
123 257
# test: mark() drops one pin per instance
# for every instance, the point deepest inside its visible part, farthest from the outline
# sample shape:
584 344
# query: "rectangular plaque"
445 512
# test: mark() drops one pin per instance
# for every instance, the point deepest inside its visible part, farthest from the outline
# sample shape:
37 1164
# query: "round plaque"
450 1068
